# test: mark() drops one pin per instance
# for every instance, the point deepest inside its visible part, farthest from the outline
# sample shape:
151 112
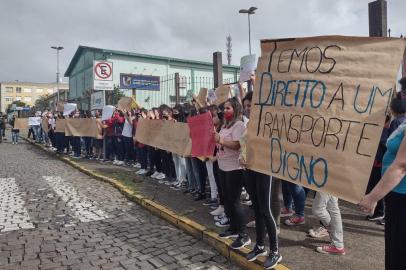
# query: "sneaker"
375 217
218 218
381 222
141 172
155 174
251 224
200 197
331 249
137 165
285 212
295 220
210 202
219 211
115 162
224 222
241 241
120 163
272 260
320 232
160 176
228 234
255 253
246 202
161 181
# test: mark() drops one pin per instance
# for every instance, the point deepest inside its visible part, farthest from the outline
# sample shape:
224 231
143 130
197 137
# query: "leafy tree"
112 97
18 103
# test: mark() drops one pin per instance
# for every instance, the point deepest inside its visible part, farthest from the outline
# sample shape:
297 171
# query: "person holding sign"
231 173
14 132
392 186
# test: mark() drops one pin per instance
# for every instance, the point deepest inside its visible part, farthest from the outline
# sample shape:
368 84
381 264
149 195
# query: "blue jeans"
292 192
38 133
192 183
14 136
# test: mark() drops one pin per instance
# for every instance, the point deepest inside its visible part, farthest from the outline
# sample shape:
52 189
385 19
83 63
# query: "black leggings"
260 186
373 181
168 166
395 231
220 189
154 156
233 181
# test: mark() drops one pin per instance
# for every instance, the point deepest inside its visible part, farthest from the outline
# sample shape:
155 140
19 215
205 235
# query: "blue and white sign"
142 82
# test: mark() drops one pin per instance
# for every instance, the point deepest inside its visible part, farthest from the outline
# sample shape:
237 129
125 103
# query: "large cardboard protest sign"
60 125
44 123
202 133
84 127
201 98
167 135
318 110
222 94
21 123
125 104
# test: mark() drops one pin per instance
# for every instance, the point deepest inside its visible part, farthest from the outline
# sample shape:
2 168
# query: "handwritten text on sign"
320 105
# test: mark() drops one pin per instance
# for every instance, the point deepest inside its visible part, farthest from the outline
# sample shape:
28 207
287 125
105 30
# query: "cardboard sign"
201 98
44 124
222 93
318 110
107 112
166 135
125 104
82 127
60 125
21 123
247 67
202 133
60 106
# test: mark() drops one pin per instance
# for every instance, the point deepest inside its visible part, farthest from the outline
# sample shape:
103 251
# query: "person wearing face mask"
230 171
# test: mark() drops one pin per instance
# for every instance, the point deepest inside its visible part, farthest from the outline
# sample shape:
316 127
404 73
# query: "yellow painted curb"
191 227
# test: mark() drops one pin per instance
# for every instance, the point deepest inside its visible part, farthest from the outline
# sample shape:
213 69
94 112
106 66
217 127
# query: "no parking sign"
103 75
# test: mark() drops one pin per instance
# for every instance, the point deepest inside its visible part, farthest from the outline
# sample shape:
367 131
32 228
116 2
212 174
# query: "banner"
222 93
167 135
21 123
142 82
202 133
97 100
83 127
107 112
60 125
318 110
247 67
68 108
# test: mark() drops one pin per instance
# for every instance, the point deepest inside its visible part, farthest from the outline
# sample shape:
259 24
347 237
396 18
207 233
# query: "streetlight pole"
249 12
57 48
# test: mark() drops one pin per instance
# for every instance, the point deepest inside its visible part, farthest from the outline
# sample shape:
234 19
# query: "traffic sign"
103 75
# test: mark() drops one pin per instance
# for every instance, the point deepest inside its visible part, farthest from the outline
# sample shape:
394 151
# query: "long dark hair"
237 108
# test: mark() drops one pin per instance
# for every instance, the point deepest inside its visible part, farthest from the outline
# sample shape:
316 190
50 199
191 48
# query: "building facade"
192 76
25 92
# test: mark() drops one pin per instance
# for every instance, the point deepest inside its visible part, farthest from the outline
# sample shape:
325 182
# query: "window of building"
18 98
27 99
27 90
39 90
9 99
18 90
9 89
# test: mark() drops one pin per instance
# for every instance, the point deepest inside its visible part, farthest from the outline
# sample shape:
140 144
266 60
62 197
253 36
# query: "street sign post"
103 75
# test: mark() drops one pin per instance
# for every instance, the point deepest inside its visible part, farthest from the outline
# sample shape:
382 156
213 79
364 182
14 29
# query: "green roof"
142 56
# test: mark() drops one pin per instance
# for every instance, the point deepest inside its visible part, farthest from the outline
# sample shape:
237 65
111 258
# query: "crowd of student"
230 183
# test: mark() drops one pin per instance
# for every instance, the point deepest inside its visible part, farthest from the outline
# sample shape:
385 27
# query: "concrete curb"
189 226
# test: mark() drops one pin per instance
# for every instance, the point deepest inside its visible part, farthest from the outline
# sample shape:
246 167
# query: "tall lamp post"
249 12
57 48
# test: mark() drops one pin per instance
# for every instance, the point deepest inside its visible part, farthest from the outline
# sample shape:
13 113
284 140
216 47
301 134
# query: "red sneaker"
285 212
295 220
331 249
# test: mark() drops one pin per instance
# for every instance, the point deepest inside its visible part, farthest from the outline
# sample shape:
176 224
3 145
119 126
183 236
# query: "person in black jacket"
2 126
14 131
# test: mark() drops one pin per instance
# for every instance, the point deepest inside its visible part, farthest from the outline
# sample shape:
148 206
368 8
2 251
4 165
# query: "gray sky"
189 29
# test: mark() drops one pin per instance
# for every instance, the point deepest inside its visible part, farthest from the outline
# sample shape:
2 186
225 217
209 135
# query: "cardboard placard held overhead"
222 94
21 123
318 110
201 98
82 127
125 104
60 125
166 135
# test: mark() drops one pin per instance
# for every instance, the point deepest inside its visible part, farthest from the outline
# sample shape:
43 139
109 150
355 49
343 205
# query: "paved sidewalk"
363 239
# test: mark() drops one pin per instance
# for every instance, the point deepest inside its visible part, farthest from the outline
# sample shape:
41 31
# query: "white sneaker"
137 165
160 176
115 162
218 212
218 218
155 174
251 224
121 163
140 172
319 232
224 222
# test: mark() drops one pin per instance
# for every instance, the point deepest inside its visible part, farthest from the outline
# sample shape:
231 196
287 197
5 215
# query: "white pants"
212 180
325 208
180 167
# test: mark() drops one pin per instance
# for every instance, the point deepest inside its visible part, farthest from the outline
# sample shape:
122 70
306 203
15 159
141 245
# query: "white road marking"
82 207
13 215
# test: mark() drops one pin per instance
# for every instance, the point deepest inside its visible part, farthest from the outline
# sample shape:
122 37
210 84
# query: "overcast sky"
189 29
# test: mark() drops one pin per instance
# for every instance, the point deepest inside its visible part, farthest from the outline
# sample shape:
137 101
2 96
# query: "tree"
18 103
112 97
41 104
